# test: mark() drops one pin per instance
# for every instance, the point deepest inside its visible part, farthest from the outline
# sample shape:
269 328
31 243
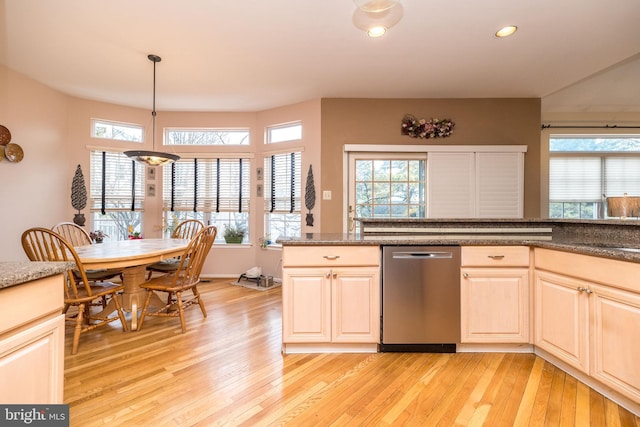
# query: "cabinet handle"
335 275
328 275
581 289
465 275
496 257
588 291
331 257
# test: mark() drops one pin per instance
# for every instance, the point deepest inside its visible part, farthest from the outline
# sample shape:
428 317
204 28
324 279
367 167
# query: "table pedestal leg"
133 297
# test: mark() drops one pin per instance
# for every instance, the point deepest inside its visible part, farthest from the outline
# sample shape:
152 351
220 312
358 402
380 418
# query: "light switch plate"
326 195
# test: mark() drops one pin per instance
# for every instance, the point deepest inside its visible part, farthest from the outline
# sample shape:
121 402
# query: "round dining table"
131 256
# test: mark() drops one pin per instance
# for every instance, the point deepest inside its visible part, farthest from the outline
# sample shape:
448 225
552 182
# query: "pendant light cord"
155 59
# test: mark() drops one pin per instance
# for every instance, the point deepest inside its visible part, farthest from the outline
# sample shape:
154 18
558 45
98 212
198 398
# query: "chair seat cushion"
98 274
165 265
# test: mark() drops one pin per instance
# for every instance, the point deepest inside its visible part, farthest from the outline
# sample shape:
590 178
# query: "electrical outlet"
326 195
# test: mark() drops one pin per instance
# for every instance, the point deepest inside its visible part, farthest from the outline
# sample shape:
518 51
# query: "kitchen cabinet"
331 298
562 318
494 294
32 342
588 317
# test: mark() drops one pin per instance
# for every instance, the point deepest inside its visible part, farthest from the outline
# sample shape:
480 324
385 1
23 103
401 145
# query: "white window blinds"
283 183
622 175
587 179
117 183
207 185
575 179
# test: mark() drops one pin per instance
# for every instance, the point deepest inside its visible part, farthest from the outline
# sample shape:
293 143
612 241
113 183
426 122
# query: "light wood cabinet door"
495 305
306 305
32 364
356 305
615 316
562 318
321 305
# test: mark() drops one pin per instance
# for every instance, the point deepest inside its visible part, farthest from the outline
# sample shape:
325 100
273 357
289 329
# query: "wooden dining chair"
187 229
72 233
185 278
42 244
78 236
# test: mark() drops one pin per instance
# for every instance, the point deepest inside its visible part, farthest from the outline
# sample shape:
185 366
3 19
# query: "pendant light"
375 17
375 5
152 158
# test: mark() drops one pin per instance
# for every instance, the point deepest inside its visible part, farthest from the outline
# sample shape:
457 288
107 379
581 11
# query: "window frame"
113 124
214 130
207 207
597 208
282 126
134 214
273 209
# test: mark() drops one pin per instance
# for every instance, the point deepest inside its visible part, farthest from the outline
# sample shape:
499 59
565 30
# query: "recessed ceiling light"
377 31
506 31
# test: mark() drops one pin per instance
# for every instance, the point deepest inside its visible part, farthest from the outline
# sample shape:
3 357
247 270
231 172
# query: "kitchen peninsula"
32 332
565 290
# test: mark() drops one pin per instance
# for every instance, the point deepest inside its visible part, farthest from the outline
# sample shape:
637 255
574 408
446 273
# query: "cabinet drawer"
495 256
330 256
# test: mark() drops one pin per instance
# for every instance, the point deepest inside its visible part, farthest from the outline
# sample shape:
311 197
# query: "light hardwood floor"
228 370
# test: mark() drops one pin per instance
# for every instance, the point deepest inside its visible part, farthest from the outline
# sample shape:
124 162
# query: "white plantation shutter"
116 183
499 185
451 185
207 185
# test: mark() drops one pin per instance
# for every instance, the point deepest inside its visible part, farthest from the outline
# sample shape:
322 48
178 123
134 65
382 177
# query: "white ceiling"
231 55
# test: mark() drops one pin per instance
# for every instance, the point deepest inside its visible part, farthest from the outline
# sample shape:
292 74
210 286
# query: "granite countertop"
624 250
16 273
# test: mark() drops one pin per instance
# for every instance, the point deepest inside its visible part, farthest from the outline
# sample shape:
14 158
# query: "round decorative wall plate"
5 135
13 153
1 153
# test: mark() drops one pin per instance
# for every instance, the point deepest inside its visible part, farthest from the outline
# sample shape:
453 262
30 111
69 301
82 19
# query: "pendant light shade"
376 23
152 158
375 5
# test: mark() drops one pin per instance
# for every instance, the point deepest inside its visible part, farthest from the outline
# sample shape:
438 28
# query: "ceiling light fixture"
377 31
152 158
375 5
506 31
377 23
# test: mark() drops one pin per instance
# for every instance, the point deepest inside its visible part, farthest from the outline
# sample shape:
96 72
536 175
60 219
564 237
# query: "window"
583 170
113 130
282 133
116 194
207 137
283 182
215 191
390 188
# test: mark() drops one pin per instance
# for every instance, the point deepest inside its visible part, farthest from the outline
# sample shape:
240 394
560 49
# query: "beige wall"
378 121
54 131
224 261
36 191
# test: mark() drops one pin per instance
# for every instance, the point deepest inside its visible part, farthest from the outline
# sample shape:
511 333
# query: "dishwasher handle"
422 255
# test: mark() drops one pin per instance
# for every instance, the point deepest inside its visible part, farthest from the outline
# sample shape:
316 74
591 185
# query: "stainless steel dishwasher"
420 299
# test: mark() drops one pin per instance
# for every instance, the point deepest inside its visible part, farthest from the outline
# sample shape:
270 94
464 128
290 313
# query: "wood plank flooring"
227 370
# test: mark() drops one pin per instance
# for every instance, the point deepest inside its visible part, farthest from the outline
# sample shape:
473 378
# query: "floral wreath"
432 128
